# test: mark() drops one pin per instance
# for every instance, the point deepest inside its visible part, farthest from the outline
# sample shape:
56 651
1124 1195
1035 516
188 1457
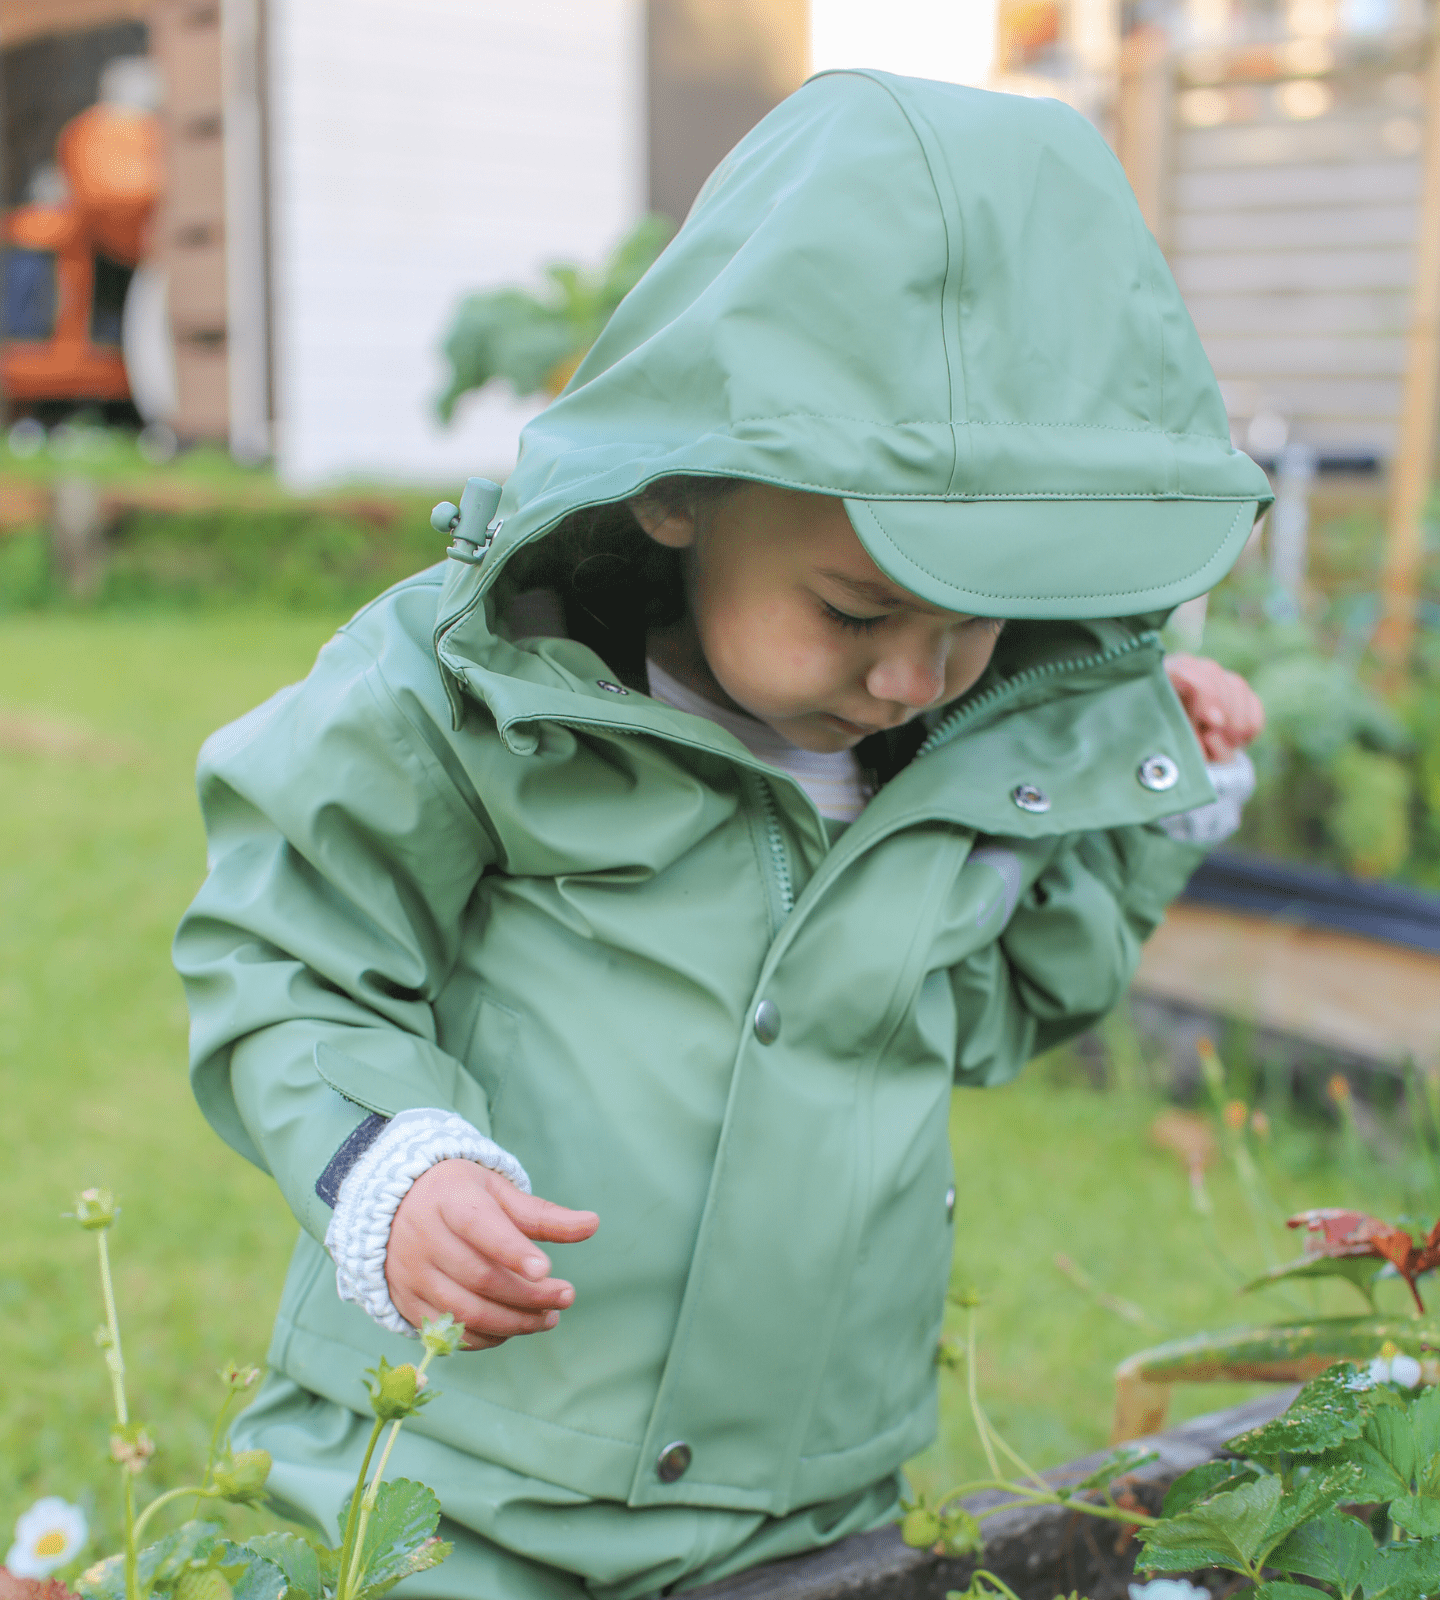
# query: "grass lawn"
100 719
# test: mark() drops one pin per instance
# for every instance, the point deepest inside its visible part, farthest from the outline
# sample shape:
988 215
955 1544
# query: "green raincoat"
454 870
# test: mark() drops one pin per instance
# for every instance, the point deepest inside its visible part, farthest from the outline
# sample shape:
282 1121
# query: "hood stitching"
1110 594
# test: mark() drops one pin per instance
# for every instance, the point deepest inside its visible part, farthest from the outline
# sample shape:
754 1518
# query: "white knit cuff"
1234 782
359 1232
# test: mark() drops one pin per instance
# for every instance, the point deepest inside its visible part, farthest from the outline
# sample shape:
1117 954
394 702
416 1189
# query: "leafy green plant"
536 341
1276 1513
389 1528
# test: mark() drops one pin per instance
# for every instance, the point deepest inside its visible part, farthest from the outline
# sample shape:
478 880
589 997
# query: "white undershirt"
832 778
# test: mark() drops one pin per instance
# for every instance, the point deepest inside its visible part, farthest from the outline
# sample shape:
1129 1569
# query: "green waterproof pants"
519 1538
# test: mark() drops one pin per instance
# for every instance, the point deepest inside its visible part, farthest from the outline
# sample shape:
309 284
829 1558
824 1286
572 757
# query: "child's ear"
673 528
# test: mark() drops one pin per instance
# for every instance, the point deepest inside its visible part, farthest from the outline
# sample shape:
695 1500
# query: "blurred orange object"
1189 1136
68 263
1024 28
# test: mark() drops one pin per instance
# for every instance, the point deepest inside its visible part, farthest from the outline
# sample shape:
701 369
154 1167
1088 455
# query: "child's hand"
460 1242
1224 710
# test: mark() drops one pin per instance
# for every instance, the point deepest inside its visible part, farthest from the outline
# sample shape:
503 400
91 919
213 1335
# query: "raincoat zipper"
779 858
946 730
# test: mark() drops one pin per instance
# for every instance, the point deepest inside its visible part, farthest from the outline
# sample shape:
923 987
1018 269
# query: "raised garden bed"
1040 1553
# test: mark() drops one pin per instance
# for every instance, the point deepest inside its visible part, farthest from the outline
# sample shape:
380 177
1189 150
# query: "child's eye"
853 624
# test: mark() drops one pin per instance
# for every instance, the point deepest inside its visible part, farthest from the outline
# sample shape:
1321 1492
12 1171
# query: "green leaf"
406 1515
1403 1571
259 1578
1418 1514
1278 1589
1391 1432
1326 1413
1227 1530
1425 1425
297 1558
1361 1271
1203 1481
1312 1494
1379 1482
1334 1548
163 1563
430 1554
104 1581
1124 1459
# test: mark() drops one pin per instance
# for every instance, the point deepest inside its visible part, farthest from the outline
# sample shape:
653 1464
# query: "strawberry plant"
388 1528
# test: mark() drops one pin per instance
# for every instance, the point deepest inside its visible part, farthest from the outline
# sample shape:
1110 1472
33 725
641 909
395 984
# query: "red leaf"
1353 1233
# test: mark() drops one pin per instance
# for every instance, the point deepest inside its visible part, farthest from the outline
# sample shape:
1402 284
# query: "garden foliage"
1342 1490
534 342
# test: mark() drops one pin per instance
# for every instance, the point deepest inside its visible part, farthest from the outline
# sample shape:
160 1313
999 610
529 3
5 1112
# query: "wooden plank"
1361 182
1317 355
1369 999
1329 139
192 74
1294 271
1038 1551
197 289
196 198
1295 228
1380 313
1415 453
33 19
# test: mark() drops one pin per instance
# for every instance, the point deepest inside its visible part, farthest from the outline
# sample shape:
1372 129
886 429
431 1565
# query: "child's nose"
910 679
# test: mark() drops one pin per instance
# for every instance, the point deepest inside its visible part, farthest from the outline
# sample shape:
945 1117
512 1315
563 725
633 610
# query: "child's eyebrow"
876 594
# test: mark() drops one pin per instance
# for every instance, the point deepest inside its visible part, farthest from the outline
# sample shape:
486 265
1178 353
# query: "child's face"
794 623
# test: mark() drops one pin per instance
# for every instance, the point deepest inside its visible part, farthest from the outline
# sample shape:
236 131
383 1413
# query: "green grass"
100 719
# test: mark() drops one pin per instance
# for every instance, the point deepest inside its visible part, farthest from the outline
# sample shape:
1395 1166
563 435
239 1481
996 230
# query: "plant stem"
132 1559
215 1436
114 1359
353 1579
981 1426
347 1543
165 1499
996 1582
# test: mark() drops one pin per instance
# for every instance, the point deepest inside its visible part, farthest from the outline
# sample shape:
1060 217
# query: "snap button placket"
610 688
1029 798
673 1461
950 1204
1158 773
767 1022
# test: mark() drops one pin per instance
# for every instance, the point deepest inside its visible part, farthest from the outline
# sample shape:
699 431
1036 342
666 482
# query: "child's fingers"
458 1261
486 1323
543 1219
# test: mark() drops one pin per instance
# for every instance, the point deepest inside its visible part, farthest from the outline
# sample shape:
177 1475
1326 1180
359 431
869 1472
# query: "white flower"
47 1536
1168 1589
1401 1369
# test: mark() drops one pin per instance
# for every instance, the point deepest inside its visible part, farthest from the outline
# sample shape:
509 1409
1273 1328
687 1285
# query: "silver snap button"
950 1204
610 688
1029 798
672 1461
767 1022
1158 773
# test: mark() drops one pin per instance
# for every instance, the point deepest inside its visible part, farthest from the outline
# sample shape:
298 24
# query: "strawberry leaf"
1334 1548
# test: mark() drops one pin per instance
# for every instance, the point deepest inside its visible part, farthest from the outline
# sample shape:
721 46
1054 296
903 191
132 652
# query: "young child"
793 744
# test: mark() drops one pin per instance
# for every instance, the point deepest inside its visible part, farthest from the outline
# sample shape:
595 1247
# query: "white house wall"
420 151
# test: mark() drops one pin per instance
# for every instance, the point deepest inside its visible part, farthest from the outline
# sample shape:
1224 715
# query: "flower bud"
95 1210
441 1336
131 1447
920 1528
394 1391
1236 1113
235 1377
960 1533
242 1476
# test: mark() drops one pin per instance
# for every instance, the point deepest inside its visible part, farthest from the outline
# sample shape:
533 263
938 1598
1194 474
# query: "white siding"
418 152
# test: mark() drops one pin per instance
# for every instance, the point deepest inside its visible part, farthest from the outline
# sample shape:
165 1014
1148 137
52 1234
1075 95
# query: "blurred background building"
261 215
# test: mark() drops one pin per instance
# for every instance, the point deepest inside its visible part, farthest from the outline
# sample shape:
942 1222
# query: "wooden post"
1415 449
1142 121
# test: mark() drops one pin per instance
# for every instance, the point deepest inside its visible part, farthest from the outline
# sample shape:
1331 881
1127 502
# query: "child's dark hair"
614 581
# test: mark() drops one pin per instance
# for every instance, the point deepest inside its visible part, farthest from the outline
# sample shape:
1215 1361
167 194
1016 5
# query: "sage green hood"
943 305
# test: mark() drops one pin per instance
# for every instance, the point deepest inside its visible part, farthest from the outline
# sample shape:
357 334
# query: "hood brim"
1169 549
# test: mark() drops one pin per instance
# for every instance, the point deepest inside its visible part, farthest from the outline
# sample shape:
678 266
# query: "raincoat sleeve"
1069 950
343 848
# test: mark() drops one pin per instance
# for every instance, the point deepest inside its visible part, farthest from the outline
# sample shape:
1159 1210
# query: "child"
671 851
